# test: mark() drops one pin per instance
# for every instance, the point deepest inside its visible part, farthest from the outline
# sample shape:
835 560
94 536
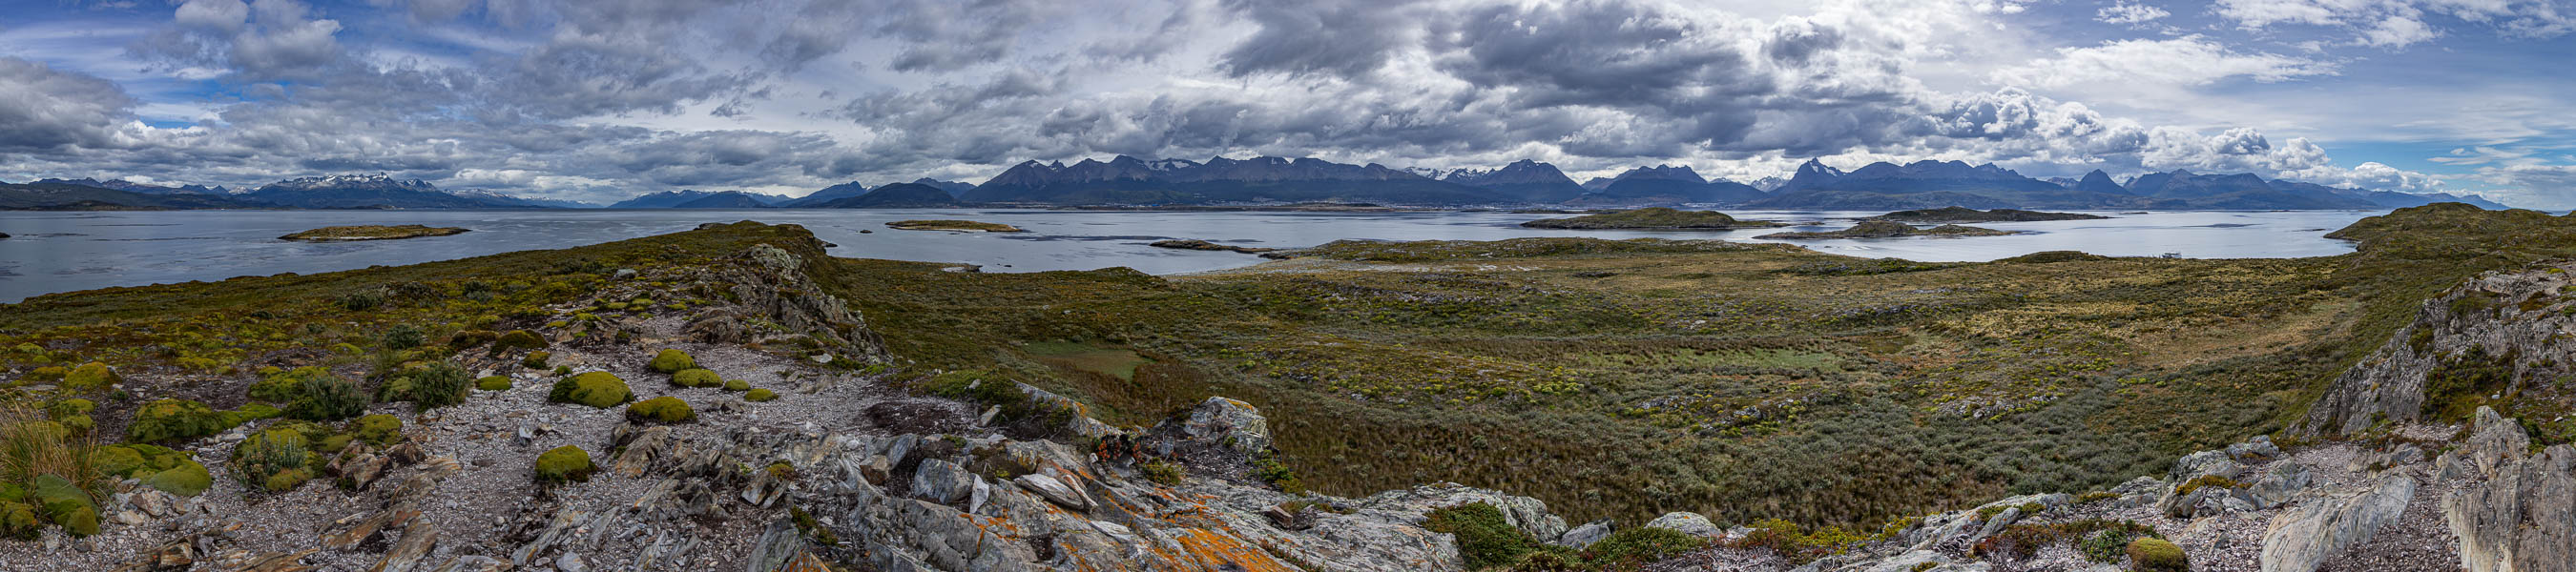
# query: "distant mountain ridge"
1129 180
1668 185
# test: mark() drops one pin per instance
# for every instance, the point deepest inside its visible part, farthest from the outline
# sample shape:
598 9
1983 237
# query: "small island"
1651 218
1194 244
372 232
1890 229
1964 214
955 225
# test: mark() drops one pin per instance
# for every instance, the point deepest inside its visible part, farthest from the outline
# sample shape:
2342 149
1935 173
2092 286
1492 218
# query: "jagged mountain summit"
894 196
1524 180
1668 185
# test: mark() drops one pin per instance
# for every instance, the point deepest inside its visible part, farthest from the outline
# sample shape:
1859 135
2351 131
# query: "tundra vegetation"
1752 383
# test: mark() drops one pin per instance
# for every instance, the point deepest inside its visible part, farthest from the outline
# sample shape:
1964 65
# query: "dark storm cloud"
41 107
1340 37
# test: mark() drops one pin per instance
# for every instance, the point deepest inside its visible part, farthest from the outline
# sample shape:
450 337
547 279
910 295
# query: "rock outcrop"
2301 538
2509 323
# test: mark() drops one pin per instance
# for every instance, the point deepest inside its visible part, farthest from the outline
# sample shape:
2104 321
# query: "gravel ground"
476 509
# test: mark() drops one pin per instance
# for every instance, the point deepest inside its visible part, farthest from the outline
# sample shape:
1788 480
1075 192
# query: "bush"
362 301
1639 545
402 337
697 378
536 360
284 386
439 384
274 459
664 409
1166 474
760 395
2155 555
90 376
493 383
519 339
563 464
1485 538
327 398
672 361
380 430
168 419
596 389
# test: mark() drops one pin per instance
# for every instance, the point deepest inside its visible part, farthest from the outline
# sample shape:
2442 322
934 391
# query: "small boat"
2173 255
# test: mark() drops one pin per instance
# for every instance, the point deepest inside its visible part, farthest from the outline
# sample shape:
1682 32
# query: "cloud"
2128 13
42 108
2401 23
2184 61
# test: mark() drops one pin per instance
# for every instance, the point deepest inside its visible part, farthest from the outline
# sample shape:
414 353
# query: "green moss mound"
563 464
519 340
493 383
2156 555
168 419
737 385
90 376
664 409
380 430
596 389
470 339
64 503
672 361
696 378
18 521
187 479
536 360
760 395
1485 538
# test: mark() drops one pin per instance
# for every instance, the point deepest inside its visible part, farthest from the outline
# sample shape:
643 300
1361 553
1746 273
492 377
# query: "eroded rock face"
2512 317
1229 421
2523 519
2303 537
773 287
2494 442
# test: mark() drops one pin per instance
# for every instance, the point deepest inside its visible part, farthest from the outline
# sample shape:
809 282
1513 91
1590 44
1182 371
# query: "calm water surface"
66 251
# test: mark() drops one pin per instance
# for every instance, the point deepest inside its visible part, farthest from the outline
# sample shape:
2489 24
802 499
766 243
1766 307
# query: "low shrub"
327 397
1485 538
563 464
1166 474
402 337
436 385
596 389
277 459
1638 545
665 409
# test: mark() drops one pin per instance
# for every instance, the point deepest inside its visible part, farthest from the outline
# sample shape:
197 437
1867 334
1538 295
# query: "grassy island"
1964 214
955 225
1194 244
1891 229
372 232
1652 218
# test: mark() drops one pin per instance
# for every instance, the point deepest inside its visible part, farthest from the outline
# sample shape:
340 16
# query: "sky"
599 101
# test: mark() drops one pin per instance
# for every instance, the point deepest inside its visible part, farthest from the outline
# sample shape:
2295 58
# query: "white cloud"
2184 61
2401 23
2128 13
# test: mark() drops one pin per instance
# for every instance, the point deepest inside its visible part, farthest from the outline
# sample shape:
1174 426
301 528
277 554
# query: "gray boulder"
2279 485
1583 536
1055 491
2256 449
1228 421
1690 523
2203 464
942 482
1528 514
2521 520
2301 538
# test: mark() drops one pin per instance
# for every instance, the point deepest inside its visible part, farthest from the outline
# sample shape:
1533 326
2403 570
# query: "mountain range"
1125 180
